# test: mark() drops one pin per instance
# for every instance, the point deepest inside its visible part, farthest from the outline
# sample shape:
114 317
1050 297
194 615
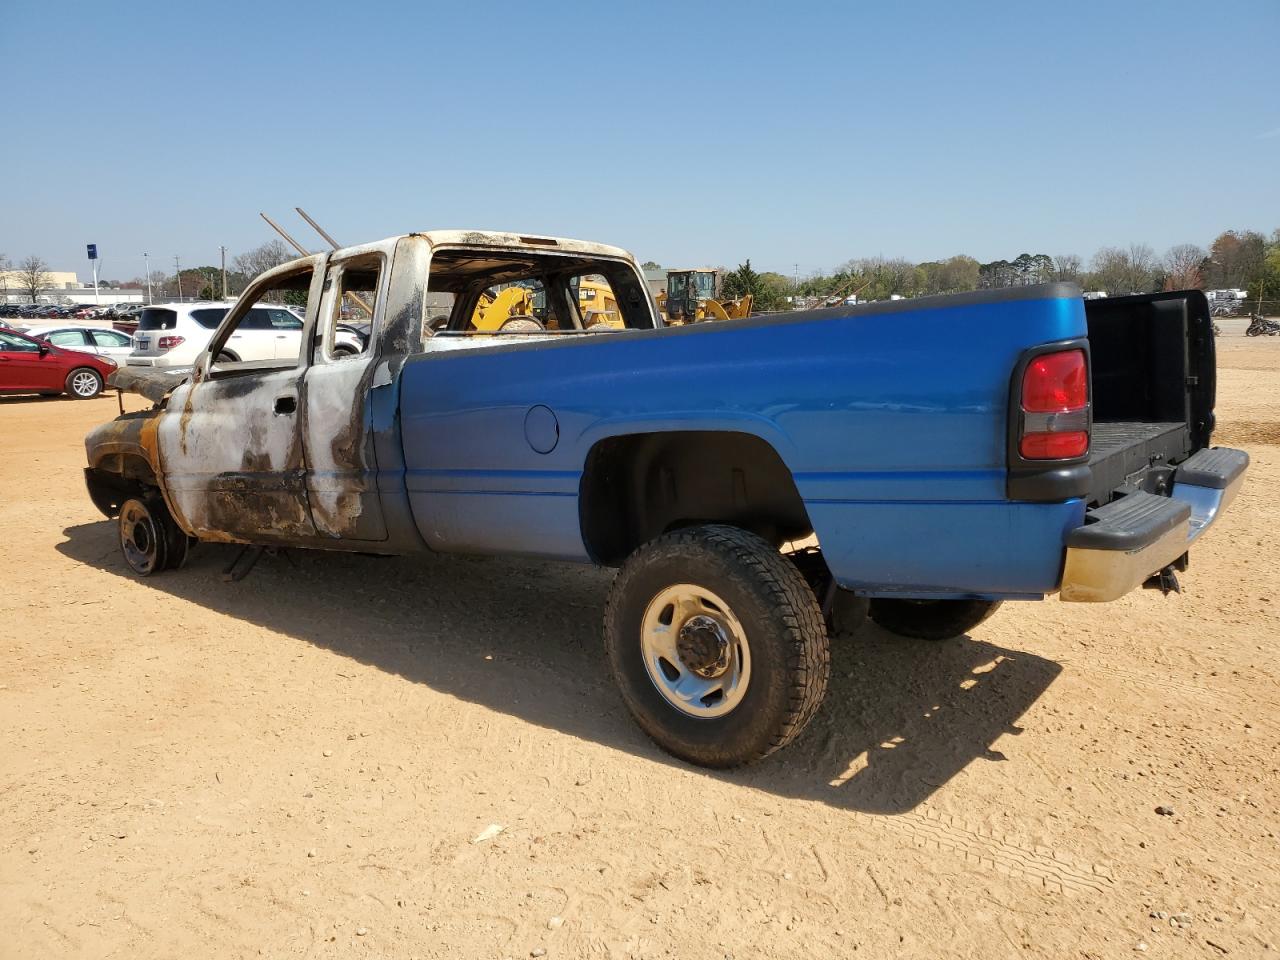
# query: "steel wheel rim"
682 630
139 538
85 384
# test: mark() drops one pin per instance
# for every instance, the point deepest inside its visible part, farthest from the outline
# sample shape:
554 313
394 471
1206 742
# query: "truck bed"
1153 385
1125 447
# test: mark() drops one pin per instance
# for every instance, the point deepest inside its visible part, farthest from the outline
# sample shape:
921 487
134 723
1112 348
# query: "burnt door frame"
230 442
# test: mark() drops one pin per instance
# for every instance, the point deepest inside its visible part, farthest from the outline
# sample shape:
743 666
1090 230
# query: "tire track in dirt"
1051 869
1217 699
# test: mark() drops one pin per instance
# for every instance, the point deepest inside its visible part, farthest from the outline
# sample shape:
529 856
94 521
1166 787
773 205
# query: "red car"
36 366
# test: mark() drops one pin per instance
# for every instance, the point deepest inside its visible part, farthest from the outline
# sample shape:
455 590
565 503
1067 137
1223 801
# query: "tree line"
1236 259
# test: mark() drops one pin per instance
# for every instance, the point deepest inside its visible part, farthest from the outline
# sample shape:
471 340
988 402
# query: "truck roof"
518 241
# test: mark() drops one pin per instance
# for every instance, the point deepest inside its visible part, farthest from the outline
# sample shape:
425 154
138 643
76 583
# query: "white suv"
173 334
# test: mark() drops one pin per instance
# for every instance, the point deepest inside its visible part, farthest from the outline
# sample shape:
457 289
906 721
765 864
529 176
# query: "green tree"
1266 286
954 275
740 282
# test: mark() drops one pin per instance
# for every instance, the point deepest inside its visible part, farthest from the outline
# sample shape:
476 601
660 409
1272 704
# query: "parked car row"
38 357
68 311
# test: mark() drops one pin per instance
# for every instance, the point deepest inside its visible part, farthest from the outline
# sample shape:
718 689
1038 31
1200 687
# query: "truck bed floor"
1121 448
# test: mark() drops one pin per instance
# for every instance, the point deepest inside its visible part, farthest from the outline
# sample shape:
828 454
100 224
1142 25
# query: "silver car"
100 340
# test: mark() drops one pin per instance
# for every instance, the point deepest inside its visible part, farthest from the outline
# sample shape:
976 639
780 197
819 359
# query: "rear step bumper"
1123 543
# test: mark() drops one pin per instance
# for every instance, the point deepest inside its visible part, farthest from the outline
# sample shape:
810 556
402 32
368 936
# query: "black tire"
225 356
785 639
342 350
848 613
83 383
149 538
931 619
144 541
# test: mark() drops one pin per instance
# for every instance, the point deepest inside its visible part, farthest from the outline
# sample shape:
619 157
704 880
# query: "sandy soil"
301 764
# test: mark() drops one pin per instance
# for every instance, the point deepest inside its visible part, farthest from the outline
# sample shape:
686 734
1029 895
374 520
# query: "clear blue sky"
686 132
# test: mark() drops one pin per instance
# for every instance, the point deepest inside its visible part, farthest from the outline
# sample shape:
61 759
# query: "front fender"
128 435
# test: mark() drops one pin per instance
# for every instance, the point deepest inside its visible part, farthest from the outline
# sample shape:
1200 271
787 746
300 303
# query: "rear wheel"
84 383
717 645
931 619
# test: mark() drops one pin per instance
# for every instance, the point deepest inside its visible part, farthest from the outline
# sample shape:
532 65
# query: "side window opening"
268 335
351 291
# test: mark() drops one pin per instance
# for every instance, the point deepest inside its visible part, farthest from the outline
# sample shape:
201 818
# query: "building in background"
63 286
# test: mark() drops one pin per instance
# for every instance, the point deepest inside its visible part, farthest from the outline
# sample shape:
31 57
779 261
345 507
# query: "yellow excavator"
692 295
515 307
597 304
494 311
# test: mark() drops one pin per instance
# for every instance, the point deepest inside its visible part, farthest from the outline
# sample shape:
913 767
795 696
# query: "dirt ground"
304 764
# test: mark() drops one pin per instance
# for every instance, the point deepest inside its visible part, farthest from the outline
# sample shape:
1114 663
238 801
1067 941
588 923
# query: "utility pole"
177 275
147 265
224 271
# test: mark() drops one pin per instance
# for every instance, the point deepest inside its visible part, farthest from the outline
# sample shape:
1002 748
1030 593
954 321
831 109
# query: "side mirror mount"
44 348
203 364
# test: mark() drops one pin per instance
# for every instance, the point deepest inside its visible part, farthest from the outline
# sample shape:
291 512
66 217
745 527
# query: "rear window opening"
519 293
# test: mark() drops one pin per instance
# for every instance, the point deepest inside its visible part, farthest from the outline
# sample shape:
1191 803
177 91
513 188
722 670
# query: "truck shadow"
901 718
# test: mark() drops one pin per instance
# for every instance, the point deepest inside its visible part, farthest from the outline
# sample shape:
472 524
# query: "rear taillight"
168 343
1055 407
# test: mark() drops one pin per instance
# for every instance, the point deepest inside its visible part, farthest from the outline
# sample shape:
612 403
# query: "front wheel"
717 645
84 384
931 619
144 540
149 538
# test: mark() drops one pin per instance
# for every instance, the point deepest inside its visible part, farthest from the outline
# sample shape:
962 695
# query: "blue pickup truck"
755 481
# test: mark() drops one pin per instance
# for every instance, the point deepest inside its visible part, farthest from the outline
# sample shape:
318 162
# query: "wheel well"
229 353
637 487
116 478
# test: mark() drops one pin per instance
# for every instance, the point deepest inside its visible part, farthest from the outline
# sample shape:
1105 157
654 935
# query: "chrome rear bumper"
1123 543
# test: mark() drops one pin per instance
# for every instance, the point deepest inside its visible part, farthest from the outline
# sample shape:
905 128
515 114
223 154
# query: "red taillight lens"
1055 407
1054 446
1056 382
168 343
